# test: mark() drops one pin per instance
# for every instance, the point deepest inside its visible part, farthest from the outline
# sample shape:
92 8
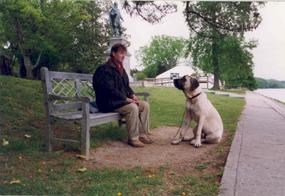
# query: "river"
275 93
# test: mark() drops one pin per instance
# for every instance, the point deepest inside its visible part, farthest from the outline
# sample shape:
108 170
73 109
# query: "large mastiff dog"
200 109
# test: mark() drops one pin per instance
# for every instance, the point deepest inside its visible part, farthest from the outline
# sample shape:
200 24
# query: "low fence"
168 82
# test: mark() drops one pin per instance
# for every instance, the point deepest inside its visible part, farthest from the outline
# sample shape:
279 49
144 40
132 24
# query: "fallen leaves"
15 182
81 156
27 136
5 142
83 169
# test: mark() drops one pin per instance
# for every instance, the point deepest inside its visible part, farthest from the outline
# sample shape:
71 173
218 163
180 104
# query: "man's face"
119 55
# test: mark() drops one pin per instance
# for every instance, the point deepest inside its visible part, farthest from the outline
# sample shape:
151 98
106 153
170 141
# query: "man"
113 93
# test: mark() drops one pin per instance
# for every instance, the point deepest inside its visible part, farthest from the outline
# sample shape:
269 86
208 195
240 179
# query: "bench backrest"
68 85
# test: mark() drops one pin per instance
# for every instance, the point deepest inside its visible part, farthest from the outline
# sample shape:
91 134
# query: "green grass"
237 90
21 112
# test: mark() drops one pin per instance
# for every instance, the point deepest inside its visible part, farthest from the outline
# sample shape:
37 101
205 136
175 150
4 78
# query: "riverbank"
274 93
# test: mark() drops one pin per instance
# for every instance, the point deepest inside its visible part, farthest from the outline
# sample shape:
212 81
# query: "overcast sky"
269 56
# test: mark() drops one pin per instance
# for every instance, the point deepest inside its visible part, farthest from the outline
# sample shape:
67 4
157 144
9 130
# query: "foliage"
234 57
236 63
211 23
140 75
263 83
150 11
161 54
69 35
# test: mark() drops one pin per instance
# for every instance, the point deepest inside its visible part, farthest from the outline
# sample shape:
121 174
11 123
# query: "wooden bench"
67 96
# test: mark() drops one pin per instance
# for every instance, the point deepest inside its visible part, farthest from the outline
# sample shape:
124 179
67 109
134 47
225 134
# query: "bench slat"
66 140
70 76
98 121
94 116
66 106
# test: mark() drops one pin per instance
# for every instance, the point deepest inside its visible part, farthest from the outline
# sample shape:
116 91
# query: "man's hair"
116 47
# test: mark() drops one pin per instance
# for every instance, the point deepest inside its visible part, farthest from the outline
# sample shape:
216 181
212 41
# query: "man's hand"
135 97
129 100
132 101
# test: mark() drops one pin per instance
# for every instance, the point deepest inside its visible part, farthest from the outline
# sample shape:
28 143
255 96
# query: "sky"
269 56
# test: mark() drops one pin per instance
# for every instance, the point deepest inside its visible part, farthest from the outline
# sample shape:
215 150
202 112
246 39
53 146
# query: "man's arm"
106 80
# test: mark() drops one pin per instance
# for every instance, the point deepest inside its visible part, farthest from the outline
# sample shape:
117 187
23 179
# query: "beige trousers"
137 119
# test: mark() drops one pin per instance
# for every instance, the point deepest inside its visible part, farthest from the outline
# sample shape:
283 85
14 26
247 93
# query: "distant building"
166 78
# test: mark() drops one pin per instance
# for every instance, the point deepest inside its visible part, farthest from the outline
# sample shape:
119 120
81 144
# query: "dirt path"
118 154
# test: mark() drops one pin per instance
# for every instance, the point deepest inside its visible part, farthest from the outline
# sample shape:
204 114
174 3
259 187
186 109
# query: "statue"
115 18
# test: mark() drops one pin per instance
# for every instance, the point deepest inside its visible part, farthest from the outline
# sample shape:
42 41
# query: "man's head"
118 52
186 83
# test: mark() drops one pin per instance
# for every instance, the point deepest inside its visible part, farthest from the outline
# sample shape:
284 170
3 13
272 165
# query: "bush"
140 75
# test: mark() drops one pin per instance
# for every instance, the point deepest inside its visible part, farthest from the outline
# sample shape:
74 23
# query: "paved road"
256 162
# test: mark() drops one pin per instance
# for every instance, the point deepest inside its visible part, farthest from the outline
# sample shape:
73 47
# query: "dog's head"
187 83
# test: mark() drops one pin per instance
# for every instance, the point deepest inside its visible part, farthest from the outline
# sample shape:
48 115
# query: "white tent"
177 71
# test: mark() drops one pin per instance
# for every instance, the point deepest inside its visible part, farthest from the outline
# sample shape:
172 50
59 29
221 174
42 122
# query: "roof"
179 69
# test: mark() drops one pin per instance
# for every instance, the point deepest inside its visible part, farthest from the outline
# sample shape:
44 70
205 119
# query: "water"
275 93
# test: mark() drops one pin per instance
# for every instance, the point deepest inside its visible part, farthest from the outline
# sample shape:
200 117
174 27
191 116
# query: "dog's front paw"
196 143
176 141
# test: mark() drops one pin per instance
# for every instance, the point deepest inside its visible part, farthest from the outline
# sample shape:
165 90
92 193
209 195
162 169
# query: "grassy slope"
21 113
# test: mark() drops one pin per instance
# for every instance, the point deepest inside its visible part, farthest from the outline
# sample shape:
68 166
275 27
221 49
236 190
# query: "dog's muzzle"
178 84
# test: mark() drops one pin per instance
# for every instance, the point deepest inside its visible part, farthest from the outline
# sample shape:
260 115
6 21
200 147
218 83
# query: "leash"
180 125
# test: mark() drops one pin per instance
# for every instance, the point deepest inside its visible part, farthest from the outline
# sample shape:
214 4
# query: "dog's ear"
194 84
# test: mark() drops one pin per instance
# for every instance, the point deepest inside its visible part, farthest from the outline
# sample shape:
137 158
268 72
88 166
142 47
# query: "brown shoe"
145 140
136 143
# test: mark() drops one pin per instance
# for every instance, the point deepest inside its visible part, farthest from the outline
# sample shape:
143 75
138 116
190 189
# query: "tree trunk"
215 61
216 72
29 67
5 66
27 60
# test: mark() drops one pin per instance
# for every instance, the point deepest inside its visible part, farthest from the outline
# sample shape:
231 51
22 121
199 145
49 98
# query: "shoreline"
280 100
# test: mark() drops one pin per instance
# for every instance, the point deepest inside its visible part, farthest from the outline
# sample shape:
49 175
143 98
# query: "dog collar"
191 98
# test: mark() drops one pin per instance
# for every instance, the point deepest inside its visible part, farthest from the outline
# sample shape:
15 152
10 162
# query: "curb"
230 175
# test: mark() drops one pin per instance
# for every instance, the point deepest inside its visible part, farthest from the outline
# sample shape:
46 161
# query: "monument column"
115 18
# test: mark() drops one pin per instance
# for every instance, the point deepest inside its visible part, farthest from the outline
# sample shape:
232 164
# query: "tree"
236 62
21 23
271 83
234 57
211 22
161 54
150 11
53 33
92 34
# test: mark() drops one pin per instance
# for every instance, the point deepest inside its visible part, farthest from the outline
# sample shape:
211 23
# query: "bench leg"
120 123
48 136
85 140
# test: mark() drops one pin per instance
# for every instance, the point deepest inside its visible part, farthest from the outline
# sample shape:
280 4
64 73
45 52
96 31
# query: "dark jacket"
111 88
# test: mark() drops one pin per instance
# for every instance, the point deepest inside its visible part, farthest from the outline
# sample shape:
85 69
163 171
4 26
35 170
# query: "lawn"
27 169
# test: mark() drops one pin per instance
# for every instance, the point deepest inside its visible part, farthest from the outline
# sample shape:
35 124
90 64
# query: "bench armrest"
144 95
53 97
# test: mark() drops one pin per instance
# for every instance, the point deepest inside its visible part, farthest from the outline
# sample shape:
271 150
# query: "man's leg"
131 114
144 122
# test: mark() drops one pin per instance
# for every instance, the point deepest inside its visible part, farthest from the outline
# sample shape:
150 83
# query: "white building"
176 72
166 78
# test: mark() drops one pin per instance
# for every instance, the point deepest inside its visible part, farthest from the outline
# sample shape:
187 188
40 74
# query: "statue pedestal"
121 40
